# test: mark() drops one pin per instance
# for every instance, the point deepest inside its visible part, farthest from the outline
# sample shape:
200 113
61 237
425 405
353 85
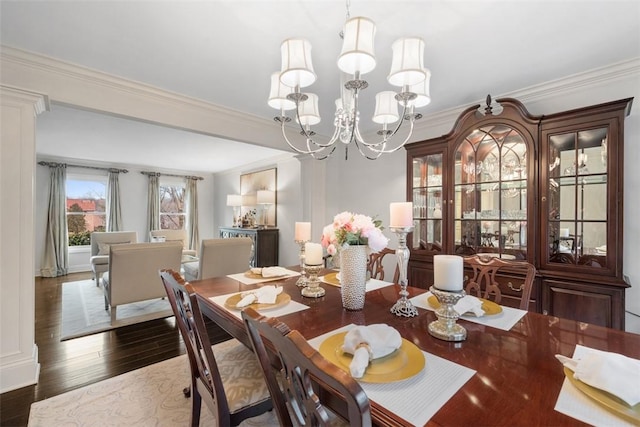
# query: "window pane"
86 204
172 207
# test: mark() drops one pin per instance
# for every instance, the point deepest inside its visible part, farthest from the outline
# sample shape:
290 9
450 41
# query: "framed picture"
260 197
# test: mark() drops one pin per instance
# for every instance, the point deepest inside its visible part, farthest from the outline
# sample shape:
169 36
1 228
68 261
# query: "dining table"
501 374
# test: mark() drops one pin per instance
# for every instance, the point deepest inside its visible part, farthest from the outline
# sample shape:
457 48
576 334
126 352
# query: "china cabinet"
545 189
264 251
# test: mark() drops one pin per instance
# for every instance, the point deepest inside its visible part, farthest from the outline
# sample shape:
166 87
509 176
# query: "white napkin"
611 372
274 271
469 304
369 342
264 295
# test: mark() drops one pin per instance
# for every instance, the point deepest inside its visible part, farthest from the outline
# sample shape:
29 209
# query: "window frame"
87 177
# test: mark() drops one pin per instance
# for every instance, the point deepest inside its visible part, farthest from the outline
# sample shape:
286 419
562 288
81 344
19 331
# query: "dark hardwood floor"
75 363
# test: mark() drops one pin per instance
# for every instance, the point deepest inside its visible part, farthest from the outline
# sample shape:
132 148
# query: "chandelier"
356 59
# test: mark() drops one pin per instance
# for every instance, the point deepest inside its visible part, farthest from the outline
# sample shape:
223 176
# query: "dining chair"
375 266
483 284
303 380
226 376
220 257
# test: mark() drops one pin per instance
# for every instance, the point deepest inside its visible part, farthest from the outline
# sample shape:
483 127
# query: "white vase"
353 276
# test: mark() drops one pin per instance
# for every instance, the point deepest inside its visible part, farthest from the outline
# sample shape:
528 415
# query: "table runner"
240 277
291 307
576 404
505 320
418 398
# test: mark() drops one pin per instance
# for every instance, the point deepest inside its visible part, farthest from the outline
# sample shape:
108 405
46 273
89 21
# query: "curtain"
191 210
56 258
114 215
153 205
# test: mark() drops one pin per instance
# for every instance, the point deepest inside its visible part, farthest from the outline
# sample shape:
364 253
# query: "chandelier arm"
296 149
365 154
393 150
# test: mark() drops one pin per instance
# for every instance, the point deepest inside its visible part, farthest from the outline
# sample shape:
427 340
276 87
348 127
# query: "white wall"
133 191
289 209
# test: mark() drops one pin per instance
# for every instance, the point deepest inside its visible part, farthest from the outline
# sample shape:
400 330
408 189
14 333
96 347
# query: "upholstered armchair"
101 241
134 272
173 236
219 257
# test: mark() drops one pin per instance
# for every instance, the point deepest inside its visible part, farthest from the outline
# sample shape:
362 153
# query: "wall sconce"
235 201
265 198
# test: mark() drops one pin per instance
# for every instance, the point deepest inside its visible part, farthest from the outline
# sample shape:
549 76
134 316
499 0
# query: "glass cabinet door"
427 202
490 193
577 194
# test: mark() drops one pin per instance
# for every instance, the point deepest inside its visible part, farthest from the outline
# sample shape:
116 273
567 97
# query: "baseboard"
20 373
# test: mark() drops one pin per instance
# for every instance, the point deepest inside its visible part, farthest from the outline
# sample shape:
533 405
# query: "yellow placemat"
281 300
490 308
403 363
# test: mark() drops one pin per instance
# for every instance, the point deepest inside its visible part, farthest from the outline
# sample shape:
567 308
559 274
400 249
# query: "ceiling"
224 52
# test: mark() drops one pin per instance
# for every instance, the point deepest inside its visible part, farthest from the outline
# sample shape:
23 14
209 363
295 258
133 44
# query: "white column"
19 365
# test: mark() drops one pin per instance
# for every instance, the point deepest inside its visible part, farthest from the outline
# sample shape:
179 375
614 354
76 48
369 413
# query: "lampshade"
308 110
266 197
358 53
248 200
278 94
407 65
386 108
234 200
422 90
297 69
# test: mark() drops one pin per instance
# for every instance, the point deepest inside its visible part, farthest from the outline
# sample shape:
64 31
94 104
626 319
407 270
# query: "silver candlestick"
446 328
403 306
313 289
302 280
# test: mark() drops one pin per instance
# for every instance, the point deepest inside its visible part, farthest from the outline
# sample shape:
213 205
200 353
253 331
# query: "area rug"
83 310
150 396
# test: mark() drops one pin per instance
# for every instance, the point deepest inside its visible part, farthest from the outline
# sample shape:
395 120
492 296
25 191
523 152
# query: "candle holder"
446 328
403 306
313 289
302 280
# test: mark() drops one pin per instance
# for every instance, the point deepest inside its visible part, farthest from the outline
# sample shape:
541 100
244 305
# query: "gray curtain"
114 215
56 258
153 204
191 208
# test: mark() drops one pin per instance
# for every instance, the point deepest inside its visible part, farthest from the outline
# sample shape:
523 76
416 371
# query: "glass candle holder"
313 289
403 306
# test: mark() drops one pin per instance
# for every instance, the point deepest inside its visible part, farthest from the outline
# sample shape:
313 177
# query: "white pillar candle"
303 232
401 214
447 272
312 253
564 232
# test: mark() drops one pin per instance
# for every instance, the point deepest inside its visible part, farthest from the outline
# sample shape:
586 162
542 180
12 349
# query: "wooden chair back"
376 268
206 382
302 368
483 283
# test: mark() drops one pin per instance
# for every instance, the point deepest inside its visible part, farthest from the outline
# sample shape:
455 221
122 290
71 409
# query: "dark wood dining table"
517 380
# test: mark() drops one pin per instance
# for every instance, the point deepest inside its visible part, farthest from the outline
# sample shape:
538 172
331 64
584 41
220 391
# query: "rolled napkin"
264 295
369 342
274 271
612 372
469 304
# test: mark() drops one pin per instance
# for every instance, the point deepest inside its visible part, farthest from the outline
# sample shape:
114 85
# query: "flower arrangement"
353 229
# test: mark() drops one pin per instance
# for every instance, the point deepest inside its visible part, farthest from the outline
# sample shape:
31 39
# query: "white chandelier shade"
297 69
308 112
386 108
358 55
407 65
278 94
423 96
356 58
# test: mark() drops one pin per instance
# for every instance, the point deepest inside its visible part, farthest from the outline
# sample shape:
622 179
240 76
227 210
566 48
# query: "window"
172 214
86 207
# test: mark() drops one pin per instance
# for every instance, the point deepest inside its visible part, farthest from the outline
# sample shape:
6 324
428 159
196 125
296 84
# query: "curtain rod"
199 178
43 163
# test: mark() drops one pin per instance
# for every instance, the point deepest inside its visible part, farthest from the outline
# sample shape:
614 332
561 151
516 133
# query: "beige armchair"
173 236
101 241
219 257
134 272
